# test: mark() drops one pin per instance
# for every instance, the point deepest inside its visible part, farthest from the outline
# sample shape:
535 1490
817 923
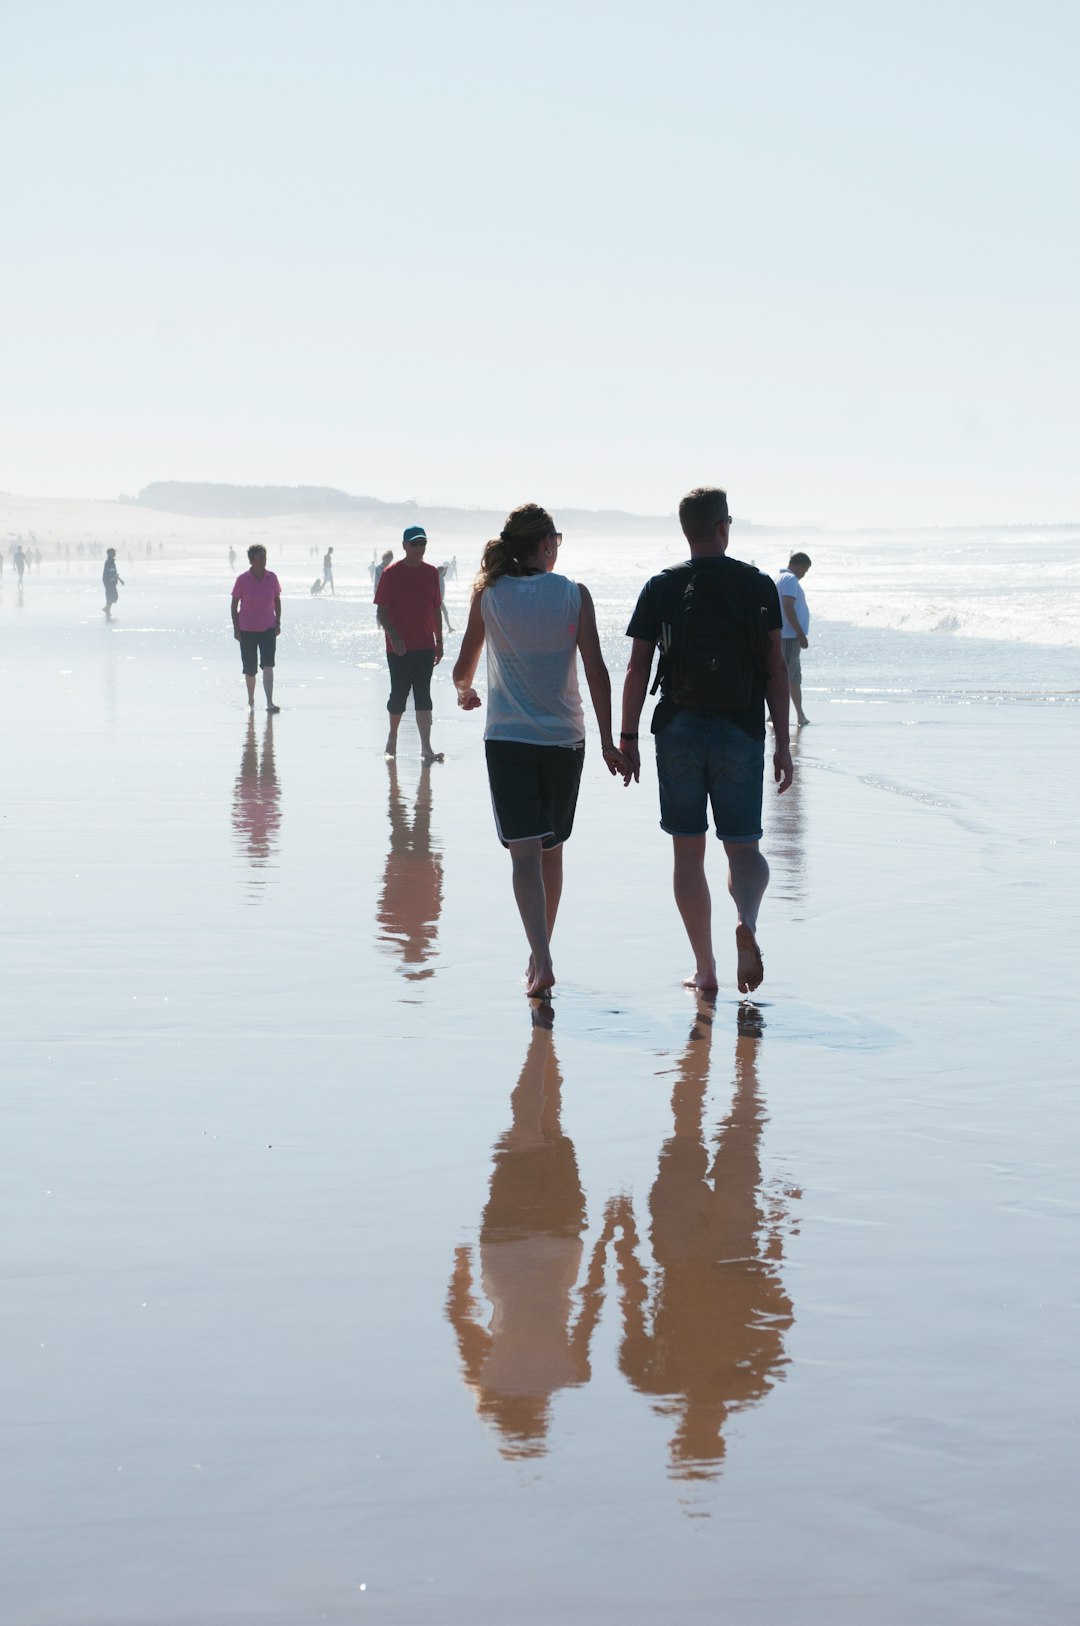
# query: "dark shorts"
410 671
702 760
257 648
534 789
791 649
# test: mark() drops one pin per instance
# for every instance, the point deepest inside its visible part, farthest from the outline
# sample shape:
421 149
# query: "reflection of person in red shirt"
410 613
411 900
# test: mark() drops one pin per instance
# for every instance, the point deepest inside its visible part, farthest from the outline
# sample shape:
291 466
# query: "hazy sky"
825 253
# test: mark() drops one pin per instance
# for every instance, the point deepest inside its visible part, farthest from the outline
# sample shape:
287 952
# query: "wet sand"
338 1288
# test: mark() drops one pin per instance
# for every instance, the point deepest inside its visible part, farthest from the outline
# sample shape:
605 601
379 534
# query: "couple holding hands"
717 623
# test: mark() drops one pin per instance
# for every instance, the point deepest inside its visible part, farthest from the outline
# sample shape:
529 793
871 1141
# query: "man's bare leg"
249 679
423 724
390 749
527 858
551 865
694 902
748 876
268 689
796 696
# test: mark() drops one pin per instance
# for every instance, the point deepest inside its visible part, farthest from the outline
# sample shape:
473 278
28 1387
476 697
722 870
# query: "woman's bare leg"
551 865
527 858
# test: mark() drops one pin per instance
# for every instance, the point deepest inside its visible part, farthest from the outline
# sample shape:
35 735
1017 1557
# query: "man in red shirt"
256 619
410 613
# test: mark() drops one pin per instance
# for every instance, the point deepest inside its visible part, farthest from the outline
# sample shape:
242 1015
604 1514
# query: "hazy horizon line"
371 505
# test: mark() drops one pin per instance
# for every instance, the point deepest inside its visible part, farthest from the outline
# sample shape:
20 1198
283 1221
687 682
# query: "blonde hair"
505 554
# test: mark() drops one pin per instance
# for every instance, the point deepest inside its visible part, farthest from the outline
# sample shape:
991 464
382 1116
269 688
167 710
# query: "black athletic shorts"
257 647
534 789
410 671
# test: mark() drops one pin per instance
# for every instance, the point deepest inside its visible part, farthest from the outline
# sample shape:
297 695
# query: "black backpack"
714 649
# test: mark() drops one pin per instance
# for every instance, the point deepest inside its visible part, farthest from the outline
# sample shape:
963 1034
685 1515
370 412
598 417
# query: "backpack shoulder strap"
678 577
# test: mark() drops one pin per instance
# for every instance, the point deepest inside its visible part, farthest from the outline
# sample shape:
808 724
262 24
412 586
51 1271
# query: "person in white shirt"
535 624
794 634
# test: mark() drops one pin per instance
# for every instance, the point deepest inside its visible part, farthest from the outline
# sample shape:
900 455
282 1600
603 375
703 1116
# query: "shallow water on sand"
341 1286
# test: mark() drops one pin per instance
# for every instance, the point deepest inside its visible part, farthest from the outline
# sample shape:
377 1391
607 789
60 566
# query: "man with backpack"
716 622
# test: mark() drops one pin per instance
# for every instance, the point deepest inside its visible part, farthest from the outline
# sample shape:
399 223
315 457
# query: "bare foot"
802 721
390 750
542 979
432 756
703 981
751 967
272 710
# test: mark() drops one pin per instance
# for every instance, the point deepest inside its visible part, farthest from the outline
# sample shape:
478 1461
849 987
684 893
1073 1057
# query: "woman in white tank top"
535 623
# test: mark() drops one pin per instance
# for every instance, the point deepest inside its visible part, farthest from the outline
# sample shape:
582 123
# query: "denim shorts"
702 759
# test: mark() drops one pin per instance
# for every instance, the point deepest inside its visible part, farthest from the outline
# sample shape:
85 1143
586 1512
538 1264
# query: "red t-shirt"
410 596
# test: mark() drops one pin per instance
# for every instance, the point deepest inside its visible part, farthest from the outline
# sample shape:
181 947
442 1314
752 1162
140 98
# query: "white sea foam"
1012 589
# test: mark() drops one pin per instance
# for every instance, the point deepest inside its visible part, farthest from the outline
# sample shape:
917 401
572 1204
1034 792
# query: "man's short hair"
701 511
799 559
256 547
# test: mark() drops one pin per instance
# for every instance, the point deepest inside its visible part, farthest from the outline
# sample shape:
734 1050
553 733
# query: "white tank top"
531 624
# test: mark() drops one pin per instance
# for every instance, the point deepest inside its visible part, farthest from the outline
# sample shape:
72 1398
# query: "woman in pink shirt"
256 619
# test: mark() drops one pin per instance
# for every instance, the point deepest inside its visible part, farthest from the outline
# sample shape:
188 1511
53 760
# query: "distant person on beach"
256 619
232 557
377 570
328 571
18 559
442 569
408 611
535 623
716 622
110 577
794 632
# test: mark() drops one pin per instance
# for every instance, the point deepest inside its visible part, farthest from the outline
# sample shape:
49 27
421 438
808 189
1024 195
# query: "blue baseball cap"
414 533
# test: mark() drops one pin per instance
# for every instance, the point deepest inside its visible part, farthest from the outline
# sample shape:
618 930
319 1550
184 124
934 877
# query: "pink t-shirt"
257 612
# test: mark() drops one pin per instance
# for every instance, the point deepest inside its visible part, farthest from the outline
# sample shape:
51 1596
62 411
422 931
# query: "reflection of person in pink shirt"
257 804
256 619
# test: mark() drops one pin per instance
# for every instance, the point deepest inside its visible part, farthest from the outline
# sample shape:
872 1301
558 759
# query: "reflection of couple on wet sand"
702 1332
257 797
411 899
